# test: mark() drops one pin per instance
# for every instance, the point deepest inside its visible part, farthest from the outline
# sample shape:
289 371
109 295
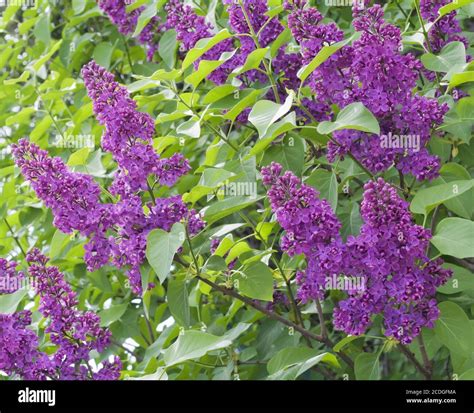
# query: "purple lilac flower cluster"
389 255
400 280
374 72
128 136
10 278
126 23
446 29
311 228
117 232
73 332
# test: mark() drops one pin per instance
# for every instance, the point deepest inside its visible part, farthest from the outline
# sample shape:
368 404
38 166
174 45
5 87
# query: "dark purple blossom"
311 228
400 281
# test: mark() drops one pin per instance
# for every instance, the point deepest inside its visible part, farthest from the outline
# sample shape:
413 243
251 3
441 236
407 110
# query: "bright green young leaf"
292 362
354 116
429 198
146 15
226 207
455 237
257 282
112 314
454 5
193 344
178 301
453 328
461 280
167 48
367 366
326 183
161 248
9 302
253 61
203 46
206 67
324 54
265 113
452 54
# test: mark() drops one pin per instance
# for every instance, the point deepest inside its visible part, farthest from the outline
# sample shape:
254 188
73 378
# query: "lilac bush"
270 190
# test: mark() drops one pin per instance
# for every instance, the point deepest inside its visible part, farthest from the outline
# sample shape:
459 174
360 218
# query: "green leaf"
453 328
202 46
79 157
351 221
289 153
42 30
454 5
462 205
345 341
428 199
226 207
253 61
9 302
42 60
167 48
455 237
326 183
461 280
22 117
78 6
452 54
158 375
459 120
367 366
112 314
257 282
191 128
211 179
354 116
146 15
206 67
40 129
103 54
287 124
218 93
178 301
265 113
291 362
467 375
460 78
193 344
244 99
161 248
324 54
58 243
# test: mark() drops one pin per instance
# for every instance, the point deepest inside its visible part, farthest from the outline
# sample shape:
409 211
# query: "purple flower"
72 197
399 279
446 29
74 333
311 228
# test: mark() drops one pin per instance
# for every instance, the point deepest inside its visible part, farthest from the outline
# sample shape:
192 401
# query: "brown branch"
410 356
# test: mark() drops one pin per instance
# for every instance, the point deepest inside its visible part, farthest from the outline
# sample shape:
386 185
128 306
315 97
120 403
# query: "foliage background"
42 95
